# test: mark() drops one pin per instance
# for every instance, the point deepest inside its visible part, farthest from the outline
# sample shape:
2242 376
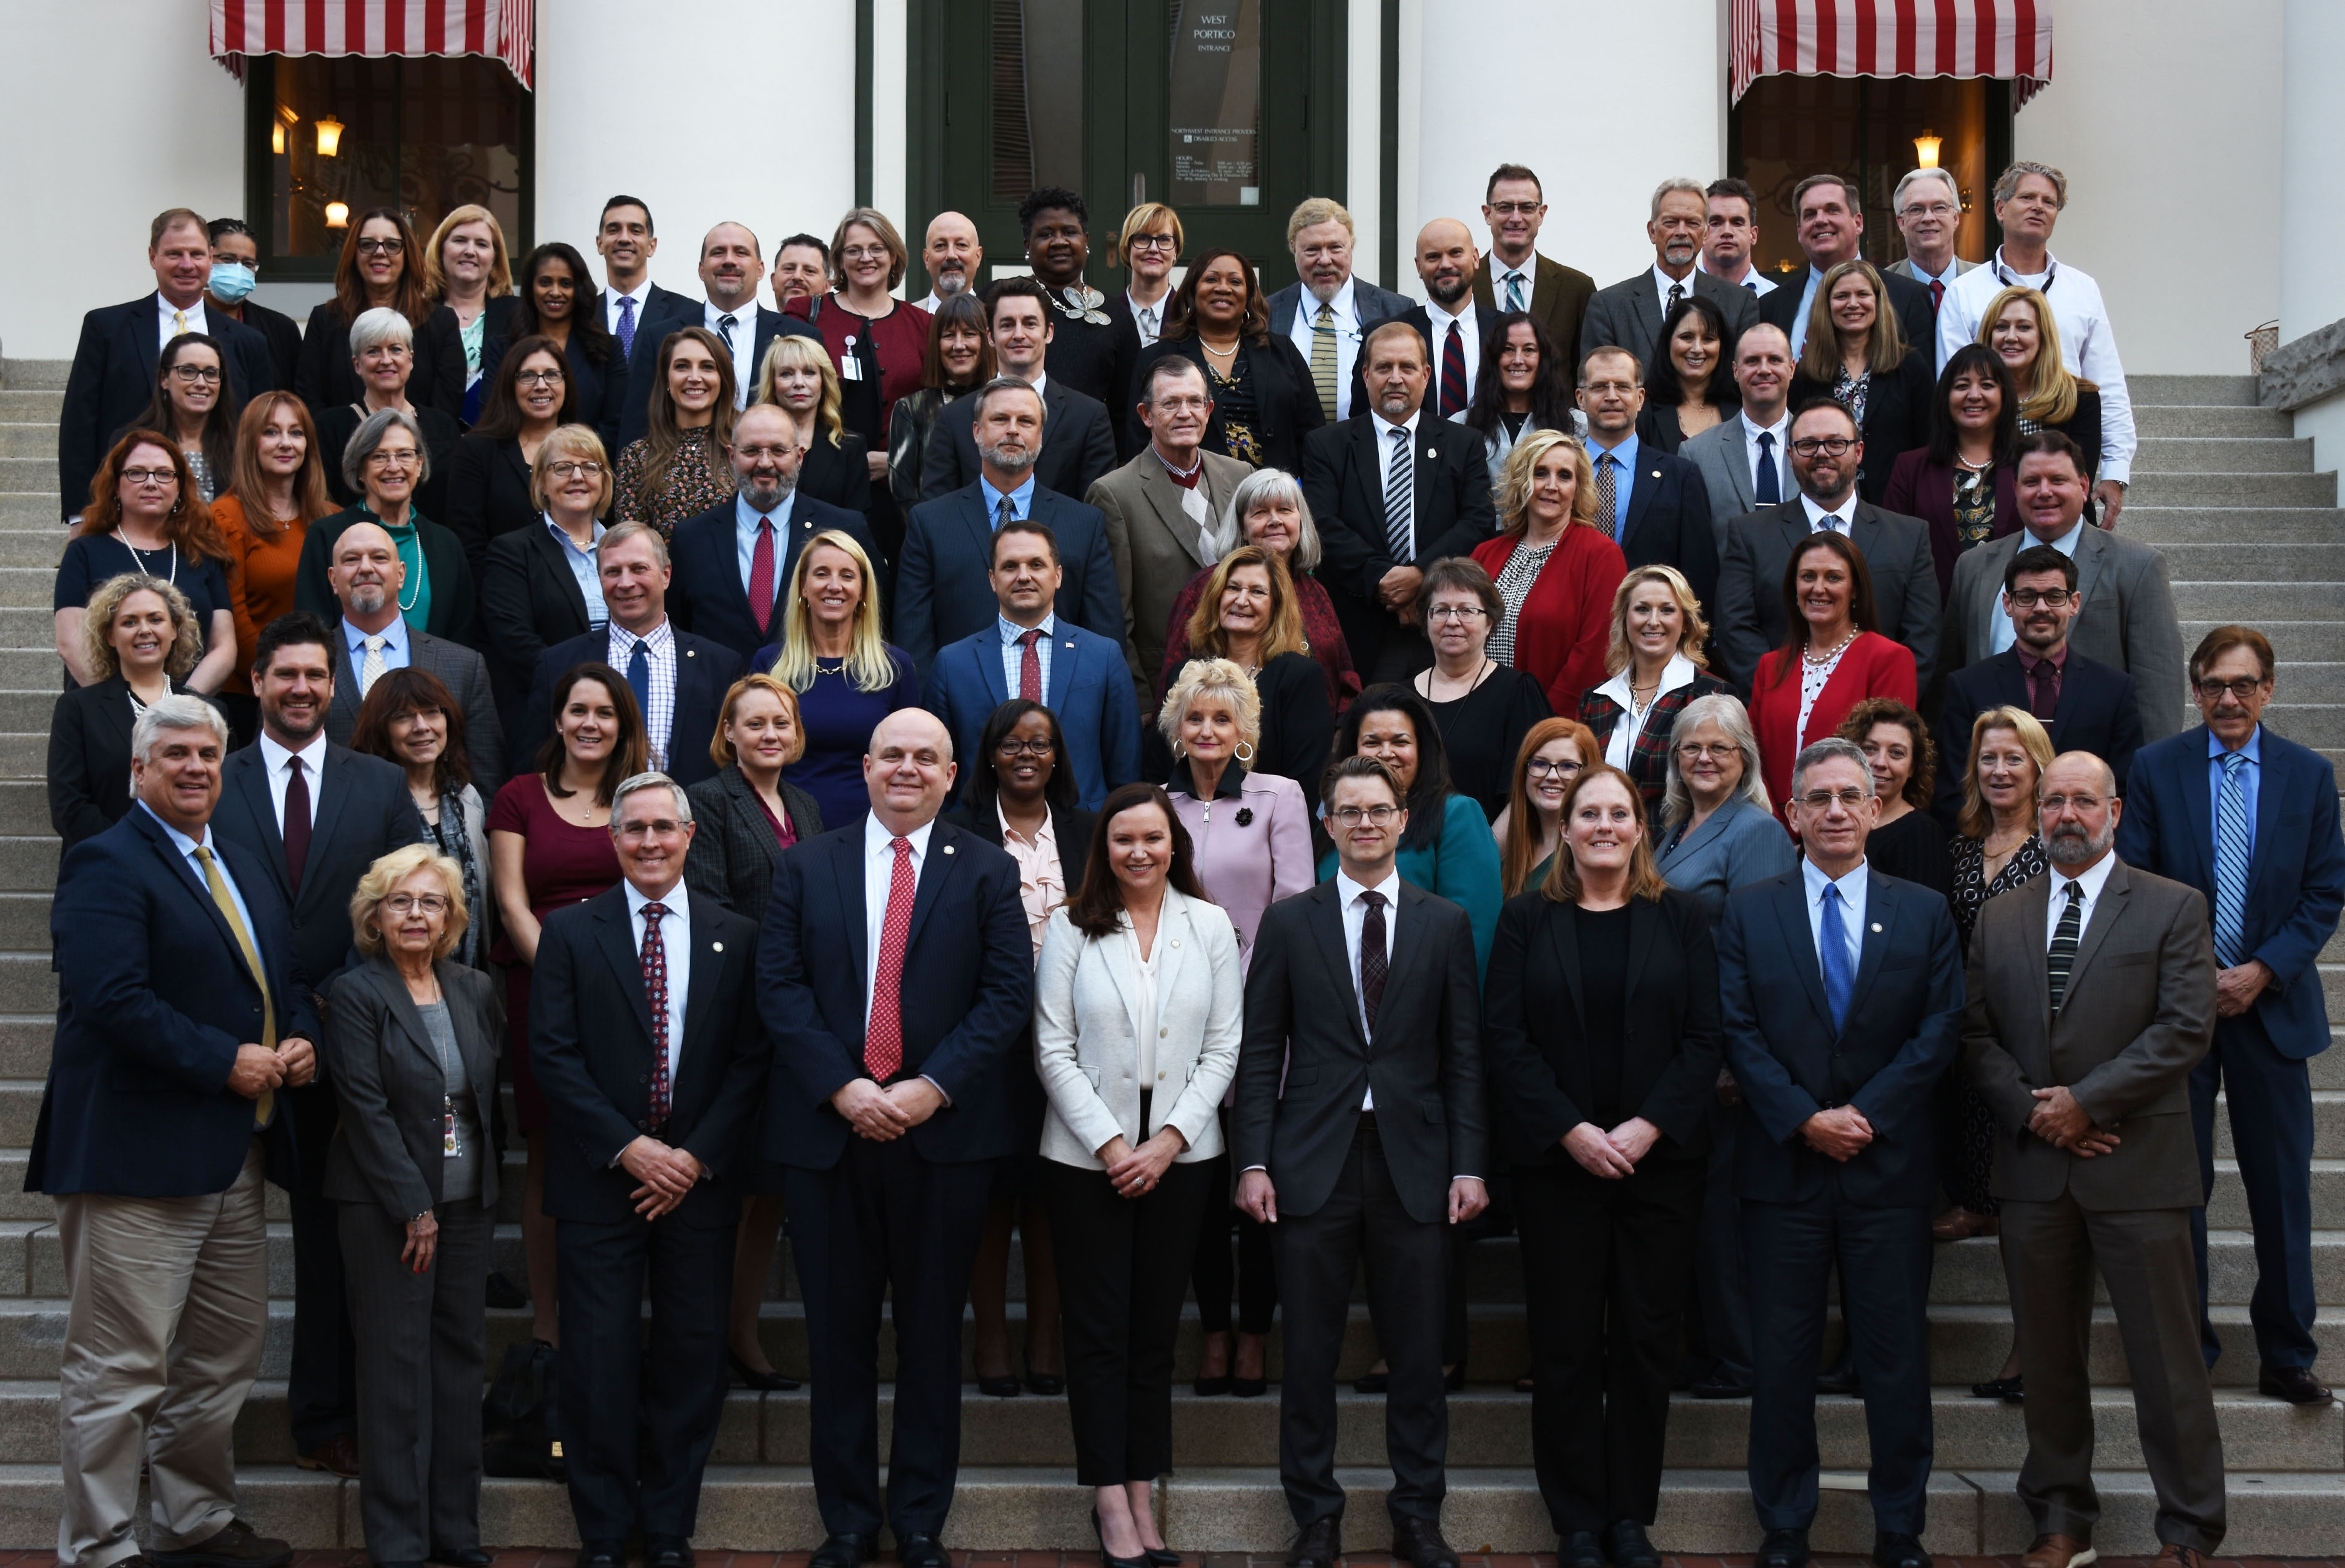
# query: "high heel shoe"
1107 1560
1004 1386
1161 1556
764 1382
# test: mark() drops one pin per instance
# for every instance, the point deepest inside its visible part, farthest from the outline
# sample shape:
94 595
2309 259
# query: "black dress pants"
885 1224
1120 1298
1255 1276
1605 1266
322 1383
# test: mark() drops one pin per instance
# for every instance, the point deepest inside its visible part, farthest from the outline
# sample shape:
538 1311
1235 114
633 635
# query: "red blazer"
1566 621
1873 666
901 336
1920 487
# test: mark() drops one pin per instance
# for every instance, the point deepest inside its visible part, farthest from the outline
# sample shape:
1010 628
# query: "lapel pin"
1430 454
1657 473
1071 644
716 946
949 849
1176 941
1876 928
688 652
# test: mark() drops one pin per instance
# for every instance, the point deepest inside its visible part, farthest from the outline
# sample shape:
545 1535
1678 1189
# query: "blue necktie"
2231 862
639 680
1839 974
1768 490
626 326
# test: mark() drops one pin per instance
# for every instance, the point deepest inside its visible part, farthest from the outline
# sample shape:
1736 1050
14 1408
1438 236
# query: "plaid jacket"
1648 759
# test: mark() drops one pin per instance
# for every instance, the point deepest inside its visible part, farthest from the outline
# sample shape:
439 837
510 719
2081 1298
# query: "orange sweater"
261 571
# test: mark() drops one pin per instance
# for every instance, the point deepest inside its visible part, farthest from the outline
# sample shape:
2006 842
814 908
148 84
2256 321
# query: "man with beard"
801 269
1629 314
953 257
366 576
316 816
2092 997
1451 321
1079 447
733 562
943 582
1328 313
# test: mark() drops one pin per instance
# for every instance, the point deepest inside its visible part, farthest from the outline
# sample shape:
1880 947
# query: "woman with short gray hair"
1267 509
382 357
387 462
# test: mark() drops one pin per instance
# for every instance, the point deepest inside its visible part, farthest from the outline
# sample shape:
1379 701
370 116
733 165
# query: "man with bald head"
953 257
896 977
366 575
732 264
1454 325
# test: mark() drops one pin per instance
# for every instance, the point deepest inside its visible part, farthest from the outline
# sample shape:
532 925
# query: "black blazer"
733 852
1078 444
89 758
2099 712
1096 359
590 1047
379 1056
338 424
643 369
529 601
453 604
113 380
488 495
281 331
323 376
1896 415
705 671
1916 316
705 594
598 393
841 475
1425 1064
1534 1034
1668 520
1286 403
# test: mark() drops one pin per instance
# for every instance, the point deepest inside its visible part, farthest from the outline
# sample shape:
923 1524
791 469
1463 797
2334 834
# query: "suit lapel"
937 867
2190 763
346 680
550 550
1738 464
1792 912
700 990
978 520
252 792
1062 669
1407 947
186 876
1648 307
1642 482
1164 500
333 788
1882 908
410 1018
618 939
1327 925
1563 943
2268 808
2107 910
1644 915
1864 530
2088 568
846 866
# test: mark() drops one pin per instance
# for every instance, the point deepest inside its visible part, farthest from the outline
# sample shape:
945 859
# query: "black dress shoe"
2297 1385
603 1554
1001 1388
1320 1543
1782 1549
1206 1388
1454 1380
2011 1391
843 1552
1840 1378
505 1294
1718 1388
1109 1559
1579 1550
1248 1387
921 1550
1049 1385
1418 1541
1161 1556
461 1557
1627 1545
1372 1383
234 1545
749 1377
667 1552
1890 1550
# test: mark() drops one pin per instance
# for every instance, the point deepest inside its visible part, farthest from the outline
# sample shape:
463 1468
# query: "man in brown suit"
1516 277
1163 511
2092 996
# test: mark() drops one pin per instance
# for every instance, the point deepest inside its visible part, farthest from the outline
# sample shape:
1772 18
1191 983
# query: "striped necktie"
2063 956
1514 291
1322 360
1400 501
2231 856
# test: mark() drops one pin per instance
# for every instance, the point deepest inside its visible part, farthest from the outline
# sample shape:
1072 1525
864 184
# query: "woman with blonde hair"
847 676
1146 248
1555 567
2020 326
1657 666
1248 615
145 515
679 467
539 586
467 269
1857 356
1531 829
138 643
798 379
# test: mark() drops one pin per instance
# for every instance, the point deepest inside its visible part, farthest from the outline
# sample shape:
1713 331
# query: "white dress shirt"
2001 635
659 656
1143 973
878 873
278 761
1347 338
2088 346
1752 278
1499 271
676 939
641 294
167 317
1663 283
744 338
1355 915
1781 431
1852 898
1468 322
1679 671
1149 318
2088 884
187 848
1385 428
1839 519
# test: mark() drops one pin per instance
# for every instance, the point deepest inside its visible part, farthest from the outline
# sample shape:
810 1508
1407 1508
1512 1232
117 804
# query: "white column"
1363 130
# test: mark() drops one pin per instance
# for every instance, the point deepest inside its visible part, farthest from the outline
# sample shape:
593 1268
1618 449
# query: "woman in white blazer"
1139 1004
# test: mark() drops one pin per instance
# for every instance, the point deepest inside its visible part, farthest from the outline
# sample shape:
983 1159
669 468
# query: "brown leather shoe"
2172 1556
2058 1552
338 1455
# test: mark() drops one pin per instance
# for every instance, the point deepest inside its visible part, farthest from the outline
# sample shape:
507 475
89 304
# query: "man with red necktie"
888 1106
1453 324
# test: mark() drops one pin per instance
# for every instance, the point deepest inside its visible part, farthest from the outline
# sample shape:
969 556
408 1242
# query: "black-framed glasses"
207 374
2241 689
2050 598
1829 446
537 378
1011 746
575 469
1540 767
1155 242
382 247
150 476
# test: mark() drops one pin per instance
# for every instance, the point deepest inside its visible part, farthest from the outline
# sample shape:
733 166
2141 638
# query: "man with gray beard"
2092 997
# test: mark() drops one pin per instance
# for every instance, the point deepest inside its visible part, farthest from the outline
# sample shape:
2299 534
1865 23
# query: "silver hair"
1953 191
180 711
1009 384
1733 722
1831 748
379 326
1266 485
368 436
1700 192
620 533
1170 365
2006 184
642 781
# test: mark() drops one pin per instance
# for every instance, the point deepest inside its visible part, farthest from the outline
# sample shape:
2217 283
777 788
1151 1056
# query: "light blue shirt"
1022 502
1852 898
1924 278
584 569
1799 320
394 645
1624 478
2251 779
187 848
2003 634
1013 657
746 518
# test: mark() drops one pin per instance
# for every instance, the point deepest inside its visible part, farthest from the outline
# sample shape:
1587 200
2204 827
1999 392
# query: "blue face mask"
232 281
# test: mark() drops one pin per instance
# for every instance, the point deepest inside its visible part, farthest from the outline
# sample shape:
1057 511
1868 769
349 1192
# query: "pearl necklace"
1829 654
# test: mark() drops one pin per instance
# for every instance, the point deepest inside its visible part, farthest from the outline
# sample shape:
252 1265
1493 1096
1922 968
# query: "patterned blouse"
1973 506
1514 580
1852 391
1972 889
691 488
1233 402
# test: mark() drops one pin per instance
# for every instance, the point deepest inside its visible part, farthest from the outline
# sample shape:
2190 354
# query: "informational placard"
1215 104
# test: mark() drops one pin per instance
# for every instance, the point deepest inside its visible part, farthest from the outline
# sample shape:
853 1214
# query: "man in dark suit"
1628 315
2248 818
733 562
113 375
679 679
1079 446
2083 705
942 588
1760 545
1830 213
1363 999
1328 313
1516 277
1842 1000
179 1026
645 1041
896 978
375 638
635 309
1661 510
731 268
1392 492
314 816
2092 994
236 265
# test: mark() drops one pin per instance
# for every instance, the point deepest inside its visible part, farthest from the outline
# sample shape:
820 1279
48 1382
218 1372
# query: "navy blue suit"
155 999
2296 887
864 1215
113 380
705 671
942 594
1668 520
1099 717
1802 1211
2099 712
706 597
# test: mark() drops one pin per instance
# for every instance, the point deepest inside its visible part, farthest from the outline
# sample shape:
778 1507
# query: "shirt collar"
747 516
1664 282
1023 496
639 294
1813 876
1679 671
1752 429
674 901
394 636
1197 466
563 538
2066 544
2051 265
2029 661
313 756
1463 315
1625 454
2092 881
1817 511
1349 891
1043 836
710 315
659 636
1498 271
1011 631
1384 426
2253 751
876 838
179 840
165 310
1925 278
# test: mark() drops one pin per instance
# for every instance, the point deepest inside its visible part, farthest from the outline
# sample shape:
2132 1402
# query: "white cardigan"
1086 1043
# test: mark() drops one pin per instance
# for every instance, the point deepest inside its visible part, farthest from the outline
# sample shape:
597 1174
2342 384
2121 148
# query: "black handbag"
520 1430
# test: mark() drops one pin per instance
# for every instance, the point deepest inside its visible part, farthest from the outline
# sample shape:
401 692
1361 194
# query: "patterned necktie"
264 1108
1373 956
655 992
2062 956
178 323
883 1043
1453 370
1029 666
2231 863
761 574
297 823
1514 281
1322 360
1832 944
725 325
1608 495
1400 501
626 326
1148 323
370 664
1677 292
1769 491
1005 514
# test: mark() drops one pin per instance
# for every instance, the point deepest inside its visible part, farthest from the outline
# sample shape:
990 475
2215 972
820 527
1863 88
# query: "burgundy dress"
561 864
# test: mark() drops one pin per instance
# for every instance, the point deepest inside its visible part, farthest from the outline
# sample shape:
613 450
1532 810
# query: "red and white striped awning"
2006 39
378 29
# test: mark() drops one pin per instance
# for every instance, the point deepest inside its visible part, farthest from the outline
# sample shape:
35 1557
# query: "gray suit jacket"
1736 845
1156 549
1723 456
378 1055
465 674
1627 315
2138 1014
1758 546
2127 622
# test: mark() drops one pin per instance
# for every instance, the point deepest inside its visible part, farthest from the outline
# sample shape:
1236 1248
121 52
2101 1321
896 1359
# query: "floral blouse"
691 489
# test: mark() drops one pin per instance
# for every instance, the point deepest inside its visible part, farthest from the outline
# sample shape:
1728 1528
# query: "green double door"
1230 111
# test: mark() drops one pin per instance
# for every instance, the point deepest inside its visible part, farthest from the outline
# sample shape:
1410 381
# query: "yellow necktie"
265 1107
178 323
1322 360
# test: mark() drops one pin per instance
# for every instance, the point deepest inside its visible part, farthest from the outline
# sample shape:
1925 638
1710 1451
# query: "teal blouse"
415 595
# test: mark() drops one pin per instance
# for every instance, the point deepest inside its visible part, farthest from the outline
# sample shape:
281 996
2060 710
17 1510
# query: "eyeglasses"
1155 242
2212 691
1619 388
1011 746
863 253
1352 815
150 476
382 247
537 378
1829 446
1467 613
759 454
2053 804
205 374
1517 209
2050 598
639 829
1929 209
577 470
381 460
1824 800
1716 751
412 903
1540 767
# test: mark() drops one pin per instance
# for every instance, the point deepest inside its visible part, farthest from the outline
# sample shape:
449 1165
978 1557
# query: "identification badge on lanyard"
850 368
451 1147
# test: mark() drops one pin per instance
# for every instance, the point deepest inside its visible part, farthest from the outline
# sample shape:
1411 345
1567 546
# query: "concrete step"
2306 681
29 587
2163 525
35 375
2193 391
2294 640
2259 563
2255 601
2220 454
31 509
25 756
27 438
32 471
2317 724
2241 489
24 627
48 408
2158 422
1971 1273
42 547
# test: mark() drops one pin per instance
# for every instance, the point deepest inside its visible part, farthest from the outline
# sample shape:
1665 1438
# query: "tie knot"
1026 639
2075 892
651 912
1766 439
725 321
1373 899
2232 763
1832 893
204 854
375 644
902 846
1326 316
293 764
